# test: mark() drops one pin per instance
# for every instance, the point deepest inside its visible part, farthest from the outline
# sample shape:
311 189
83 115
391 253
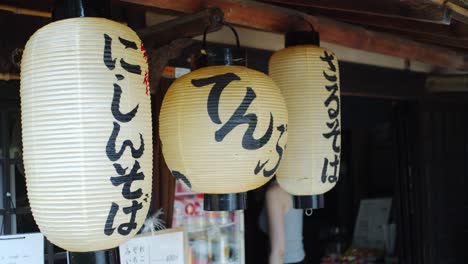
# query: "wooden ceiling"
423 30
423 21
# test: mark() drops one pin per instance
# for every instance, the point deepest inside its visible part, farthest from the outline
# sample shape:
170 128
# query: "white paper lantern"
87 134
223 129
309 79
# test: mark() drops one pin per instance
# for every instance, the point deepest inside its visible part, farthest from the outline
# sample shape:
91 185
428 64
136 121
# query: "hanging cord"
224 24
3 225
301 17
312 28
202 60
12 206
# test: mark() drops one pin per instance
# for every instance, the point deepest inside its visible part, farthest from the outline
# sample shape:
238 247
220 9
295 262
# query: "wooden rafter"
446 41
187 26
417 10
454 35
266 17
454 30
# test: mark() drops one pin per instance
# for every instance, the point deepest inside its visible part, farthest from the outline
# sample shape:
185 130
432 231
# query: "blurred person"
283 224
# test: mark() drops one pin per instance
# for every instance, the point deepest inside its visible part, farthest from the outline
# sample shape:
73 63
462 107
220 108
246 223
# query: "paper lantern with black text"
223 130
87 136
308 77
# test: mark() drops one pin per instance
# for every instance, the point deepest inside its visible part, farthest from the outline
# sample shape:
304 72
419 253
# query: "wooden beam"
447 84
355 79
187 26
460 7
380 82
276 19
448 42
454 35
410 10
9 77
158 59
23 11
460 18
455 30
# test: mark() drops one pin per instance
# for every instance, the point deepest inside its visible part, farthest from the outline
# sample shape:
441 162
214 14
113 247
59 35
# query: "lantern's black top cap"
308 201
225 56
64 9
225 202
295 38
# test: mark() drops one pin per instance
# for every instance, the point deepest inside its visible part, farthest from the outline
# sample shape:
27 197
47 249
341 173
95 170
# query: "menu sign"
167 246
22 249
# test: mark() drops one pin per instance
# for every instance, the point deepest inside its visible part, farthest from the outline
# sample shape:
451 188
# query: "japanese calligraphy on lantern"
240 117
331 165
166 246
308 77
123 120
223 123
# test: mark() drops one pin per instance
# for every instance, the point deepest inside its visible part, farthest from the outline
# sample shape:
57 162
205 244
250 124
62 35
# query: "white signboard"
22 249
166 246
371 221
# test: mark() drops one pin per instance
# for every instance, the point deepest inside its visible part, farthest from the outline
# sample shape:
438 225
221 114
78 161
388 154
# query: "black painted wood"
444 171
431 193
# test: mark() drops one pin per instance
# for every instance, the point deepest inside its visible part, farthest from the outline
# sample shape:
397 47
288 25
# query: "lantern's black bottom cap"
308 201
96 257
225 202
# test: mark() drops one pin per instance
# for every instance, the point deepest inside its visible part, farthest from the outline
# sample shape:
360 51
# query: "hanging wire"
12 205
202 60
225 24
312 28
3 225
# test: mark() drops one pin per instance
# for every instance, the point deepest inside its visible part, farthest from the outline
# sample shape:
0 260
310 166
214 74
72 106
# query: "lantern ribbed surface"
73 142
223 129
308 77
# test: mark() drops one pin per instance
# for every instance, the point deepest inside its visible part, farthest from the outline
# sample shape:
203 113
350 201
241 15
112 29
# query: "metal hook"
309 211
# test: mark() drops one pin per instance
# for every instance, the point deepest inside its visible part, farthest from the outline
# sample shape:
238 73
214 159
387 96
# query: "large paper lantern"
223 131
308 77
87 135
